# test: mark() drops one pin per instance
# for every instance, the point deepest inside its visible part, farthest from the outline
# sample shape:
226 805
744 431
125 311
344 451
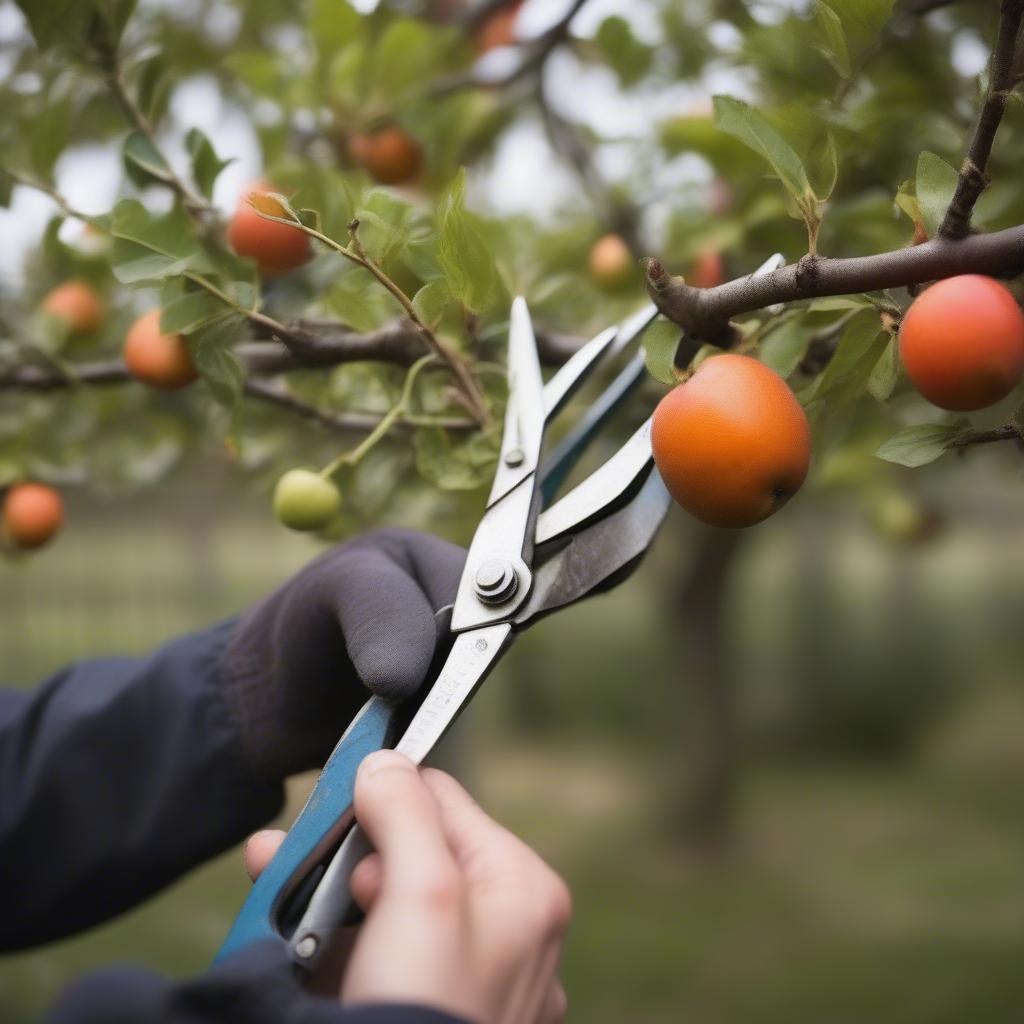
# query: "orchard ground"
855 882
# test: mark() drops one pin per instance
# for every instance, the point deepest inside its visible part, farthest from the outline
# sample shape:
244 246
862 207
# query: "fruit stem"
394 414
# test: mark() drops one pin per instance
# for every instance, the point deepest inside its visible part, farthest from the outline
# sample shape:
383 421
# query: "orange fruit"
390 155
610 262
33 513
277 248
499 29
160 360
708 270
731 443
78 305
962 342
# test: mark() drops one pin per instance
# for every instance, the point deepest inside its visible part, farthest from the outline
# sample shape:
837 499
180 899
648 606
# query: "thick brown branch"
705 313
973 178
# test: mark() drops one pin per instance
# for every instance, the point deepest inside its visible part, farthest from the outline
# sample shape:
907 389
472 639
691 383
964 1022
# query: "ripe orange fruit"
731 443
708 270
160 360
962 342
33 513
389 154
277 248
78 305
499 29
610 262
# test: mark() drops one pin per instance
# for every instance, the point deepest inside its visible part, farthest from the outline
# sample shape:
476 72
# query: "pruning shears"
529 557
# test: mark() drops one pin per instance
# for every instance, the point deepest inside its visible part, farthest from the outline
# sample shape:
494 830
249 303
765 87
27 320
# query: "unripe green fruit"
304 500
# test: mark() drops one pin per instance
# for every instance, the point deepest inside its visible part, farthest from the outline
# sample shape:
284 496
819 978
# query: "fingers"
436 564
466 824
556 1007
402 819
260 850
366 881
387 621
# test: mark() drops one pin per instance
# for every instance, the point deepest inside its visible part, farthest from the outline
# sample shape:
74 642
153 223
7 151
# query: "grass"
847 892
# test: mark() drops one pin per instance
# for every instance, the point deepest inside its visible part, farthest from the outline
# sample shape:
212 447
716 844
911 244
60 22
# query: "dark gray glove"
357 620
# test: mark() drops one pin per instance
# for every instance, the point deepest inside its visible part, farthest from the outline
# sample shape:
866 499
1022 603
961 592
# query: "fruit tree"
416 164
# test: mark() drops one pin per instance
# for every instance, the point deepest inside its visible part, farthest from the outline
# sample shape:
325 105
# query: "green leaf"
406 54
464 257
384 220
150 248
184 309
906 200
935 185
847 373
753 129
51 131
835 303
206 165
886 372
833 39
456 463
431 302
917 446
785 347
660 343
218 366
143 162
333 24
80 25
823 166
628 57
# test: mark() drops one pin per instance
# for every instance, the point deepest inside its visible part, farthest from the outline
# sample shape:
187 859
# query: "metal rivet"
481 645
516 457
496 580
306 947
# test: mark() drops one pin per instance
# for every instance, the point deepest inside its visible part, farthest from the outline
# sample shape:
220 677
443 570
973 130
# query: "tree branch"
535 54
973 178
114 371
1009 432
704 313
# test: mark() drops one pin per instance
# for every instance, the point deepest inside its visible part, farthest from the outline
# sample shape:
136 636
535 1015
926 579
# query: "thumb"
388 623
260 850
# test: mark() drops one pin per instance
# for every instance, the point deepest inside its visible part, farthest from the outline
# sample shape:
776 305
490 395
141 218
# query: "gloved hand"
358 620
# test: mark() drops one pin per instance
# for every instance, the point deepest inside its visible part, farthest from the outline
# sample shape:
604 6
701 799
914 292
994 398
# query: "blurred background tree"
778 766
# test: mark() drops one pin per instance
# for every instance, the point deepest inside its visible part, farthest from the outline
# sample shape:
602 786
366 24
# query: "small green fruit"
304 500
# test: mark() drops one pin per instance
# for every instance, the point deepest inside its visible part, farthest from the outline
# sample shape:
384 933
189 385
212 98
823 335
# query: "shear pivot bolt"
496 581
516 457
306 947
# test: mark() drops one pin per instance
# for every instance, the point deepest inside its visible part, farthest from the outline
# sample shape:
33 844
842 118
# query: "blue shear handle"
315 831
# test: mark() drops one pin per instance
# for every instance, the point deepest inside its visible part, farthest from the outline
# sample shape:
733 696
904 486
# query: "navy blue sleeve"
116 777
256 986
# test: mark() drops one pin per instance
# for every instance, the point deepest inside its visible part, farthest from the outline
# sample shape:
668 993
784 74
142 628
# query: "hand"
460 914
358 618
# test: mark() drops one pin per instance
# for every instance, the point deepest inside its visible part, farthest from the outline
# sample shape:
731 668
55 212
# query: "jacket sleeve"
116 777
255 986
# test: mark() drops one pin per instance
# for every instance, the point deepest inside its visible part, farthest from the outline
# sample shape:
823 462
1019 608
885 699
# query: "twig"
973 178
350 422
1009 432
195 204
705 313
534 56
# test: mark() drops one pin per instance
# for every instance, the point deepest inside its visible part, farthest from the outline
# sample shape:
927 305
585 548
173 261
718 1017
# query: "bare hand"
461 914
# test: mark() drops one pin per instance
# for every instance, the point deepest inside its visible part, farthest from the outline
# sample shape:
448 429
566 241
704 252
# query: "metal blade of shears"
497 578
